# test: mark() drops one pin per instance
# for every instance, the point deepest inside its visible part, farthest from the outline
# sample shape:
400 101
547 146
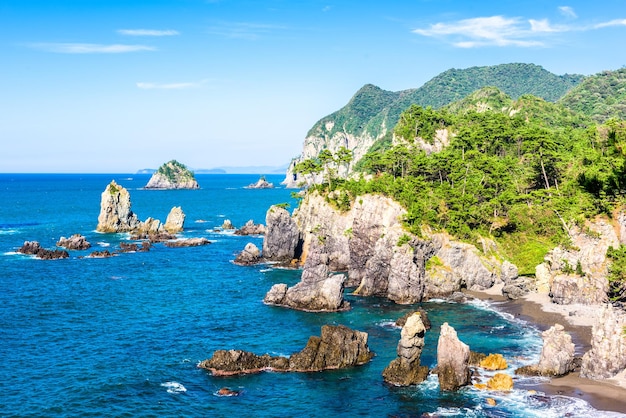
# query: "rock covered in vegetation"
452 360
262 183
250 228
557 355
423 315
75 242
249 255
405 369
35 248
338 347
282 236
172 175
175 221
607 356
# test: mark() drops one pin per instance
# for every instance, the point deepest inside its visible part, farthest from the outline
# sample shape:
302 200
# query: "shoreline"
536 309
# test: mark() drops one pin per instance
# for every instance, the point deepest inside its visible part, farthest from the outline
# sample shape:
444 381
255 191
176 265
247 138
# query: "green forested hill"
601 96
371 107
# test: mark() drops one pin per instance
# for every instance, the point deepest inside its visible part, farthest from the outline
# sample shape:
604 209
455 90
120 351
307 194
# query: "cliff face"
381 259
172 175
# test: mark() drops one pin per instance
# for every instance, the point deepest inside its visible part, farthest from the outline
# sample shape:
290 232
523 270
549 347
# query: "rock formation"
282 236
116 216
557 355
250 255
75 242
34 248
172 175
317 291
261 184
175 221
500 382
494 362
423 315
250 228
405 370
115 213
578 274
607 356
338 347
187 242
452 360
227 225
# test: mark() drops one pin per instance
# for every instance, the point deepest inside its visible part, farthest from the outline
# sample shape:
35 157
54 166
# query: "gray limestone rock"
557 355
250 255
175 221
405 369
281 236
452 360
75 242
607 356
115 212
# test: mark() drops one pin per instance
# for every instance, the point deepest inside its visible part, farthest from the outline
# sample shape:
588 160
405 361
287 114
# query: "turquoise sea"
122 336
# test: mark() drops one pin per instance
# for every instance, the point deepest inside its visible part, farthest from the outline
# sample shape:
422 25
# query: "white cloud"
147 32
483 31
567 12
170 86
505 31
80 48
616 22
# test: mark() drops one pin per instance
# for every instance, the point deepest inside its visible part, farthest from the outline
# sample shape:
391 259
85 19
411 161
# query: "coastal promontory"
172 175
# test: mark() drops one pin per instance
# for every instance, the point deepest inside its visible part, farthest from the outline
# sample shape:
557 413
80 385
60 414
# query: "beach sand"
608 395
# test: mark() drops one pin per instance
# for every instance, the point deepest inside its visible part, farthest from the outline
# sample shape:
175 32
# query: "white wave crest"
174 387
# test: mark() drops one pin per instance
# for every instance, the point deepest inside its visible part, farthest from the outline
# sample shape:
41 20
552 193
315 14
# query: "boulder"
172 175
249 255
281 236
405 369
100 254
75 242
557 355
250 228
493 362
500 382
607 356
452 360
227 225
338 347
175 220
187 242
515 289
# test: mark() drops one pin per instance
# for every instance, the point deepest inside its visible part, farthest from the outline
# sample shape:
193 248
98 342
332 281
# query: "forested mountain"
373 112
601 96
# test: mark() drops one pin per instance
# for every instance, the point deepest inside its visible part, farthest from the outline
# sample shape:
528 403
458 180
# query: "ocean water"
122 336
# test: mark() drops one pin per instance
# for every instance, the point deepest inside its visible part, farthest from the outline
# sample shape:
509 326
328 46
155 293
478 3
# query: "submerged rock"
187 242
338 347
75 242
406 370
452 360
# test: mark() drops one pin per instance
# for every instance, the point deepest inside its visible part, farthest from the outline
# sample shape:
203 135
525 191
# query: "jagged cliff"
172 175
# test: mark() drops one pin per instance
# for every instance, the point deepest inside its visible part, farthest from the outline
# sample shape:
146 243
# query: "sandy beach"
609 395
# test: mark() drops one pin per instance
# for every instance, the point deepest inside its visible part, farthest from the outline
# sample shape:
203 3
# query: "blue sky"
109 86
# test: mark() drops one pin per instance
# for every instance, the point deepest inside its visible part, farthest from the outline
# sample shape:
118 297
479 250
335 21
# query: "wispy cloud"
170 86
567 12
147 32
482 31
243 30
504 31
80 48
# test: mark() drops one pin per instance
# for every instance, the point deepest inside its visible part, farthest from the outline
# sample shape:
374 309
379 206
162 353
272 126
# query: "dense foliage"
372 110
175 171
601 96
518 171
